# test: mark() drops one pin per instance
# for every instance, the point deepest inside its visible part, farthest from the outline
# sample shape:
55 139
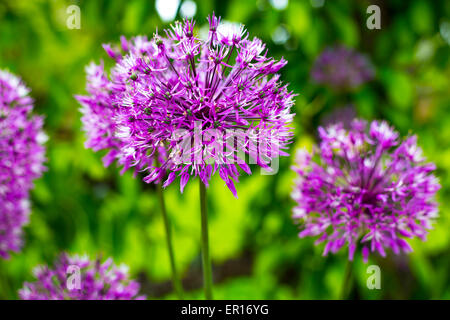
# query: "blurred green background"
81 207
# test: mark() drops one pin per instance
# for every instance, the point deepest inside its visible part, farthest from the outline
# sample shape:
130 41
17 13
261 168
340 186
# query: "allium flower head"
21 159
366 188
78 278
189 106
342 68
341 114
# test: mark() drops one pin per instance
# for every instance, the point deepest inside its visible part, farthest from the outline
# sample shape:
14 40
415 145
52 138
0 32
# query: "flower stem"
347 283
5 289
175 280
206 259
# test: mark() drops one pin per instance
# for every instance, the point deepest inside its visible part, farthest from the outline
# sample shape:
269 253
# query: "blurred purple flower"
342 68
21 159
369 190
200 105
340 114
78 278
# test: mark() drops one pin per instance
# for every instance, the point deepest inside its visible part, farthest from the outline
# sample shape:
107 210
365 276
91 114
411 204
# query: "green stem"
347 283
206 259
5 289
175 280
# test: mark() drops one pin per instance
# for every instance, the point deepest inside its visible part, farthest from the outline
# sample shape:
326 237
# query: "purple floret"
342 68
365 188
187 106
78 278
22 155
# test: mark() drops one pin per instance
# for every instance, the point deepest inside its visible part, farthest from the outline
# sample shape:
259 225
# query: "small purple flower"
187 106
342 68
365 188
21 159
78 278
341 114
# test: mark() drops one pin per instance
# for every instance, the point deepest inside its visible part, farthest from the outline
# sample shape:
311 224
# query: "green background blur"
81 207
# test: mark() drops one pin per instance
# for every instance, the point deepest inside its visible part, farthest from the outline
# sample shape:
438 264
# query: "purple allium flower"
342 68
366 189
78 278
341 114
21 159
189 106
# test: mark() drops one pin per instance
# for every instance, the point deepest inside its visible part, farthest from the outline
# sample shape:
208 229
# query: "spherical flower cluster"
369 190
21 159
340 114
342 68
187 106
78 278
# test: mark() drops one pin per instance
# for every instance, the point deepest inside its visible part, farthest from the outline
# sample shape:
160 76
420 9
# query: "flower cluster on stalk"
22 155
184 106
342 68
78 278
365 188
